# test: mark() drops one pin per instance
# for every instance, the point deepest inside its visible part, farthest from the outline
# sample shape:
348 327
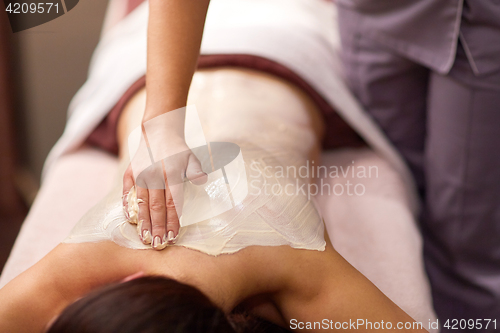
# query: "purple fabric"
447 128
427 31
479 29
462 221
384 82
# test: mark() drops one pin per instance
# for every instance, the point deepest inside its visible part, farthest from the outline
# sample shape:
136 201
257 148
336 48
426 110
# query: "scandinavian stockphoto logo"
26 14
160 162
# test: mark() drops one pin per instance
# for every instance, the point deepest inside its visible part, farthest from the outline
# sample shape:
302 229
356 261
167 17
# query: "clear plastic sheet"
239 205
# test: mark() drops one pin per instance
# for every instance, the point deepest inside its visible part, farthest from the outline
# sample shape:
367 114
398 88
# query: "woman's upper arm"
28 302
324 288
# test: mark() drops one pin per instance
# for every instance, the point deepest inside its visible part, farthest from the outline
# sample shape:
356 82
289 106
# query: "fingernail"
156 241
159 244
146 237
170 237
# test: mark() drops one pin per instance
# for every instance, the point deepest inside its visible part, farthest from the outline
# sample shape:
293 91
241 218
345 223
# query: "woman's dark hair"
152 305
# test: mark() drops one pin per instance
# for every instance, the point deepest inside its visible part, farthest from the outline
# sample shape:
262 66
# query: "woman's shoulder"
251 271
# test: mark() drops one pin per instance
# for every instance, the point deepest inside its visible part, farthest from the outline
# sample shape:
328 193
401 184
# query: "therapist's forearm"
174 37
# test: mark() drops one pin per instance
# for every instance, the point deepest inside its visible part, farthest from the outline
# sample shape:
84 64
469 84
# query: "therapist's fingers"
174 195
144 224
128 183
173 201
158 213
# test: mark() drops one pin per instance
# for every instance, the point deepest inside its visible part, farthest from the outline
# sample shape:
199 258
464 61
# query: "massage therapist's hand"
159 185
175 30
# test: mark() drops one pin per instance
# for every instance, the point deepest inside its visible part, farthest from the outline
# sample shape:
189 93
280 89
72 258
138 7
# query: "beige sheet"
76 183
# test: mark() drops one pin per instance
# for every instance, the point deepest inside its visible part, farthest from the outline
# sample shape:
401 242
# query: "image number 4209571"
26 14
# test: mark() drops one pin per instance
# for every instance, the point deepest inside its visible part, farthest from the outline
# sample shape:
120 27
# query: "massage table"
381 240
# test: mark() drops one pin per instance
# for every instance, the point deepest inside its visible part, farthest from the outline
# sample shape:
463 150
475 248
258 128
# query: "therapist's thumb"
194 171
128 183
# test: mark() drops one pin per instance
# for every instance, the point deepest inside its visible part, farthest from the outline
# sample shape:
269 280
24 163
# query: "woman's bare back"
279 283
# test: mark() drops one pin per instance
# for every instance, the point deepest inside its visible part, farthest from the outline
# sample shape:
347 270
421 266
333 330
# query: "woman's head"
148 305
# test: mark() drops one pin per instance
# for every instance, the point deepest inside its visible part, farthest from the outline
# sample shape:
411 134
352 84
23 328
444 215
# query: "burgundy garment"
341 134
104 135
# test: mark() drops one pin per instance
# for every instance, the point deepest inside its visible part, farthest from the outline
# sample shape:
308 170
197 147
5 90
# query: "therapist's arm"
174 37
175 31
